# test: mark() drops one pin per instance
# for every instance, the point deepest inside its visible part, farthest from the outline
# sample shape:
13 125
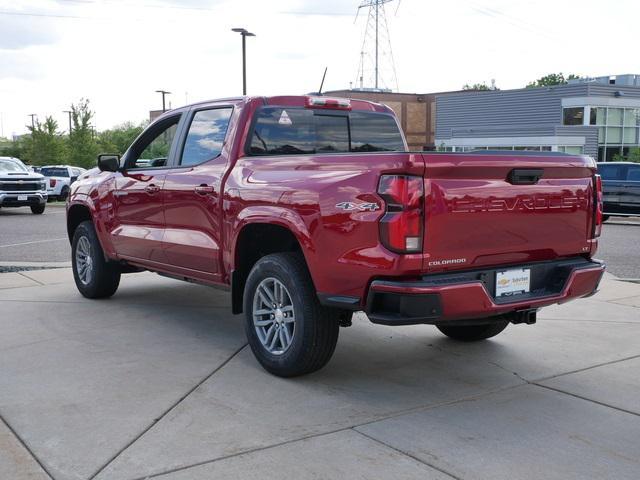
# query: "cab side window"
206 136
152 149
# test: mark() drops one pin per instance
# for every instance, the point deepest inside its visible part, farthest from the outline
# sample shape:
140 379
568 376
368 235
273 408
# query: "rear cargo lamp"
599 208
328 102
402 224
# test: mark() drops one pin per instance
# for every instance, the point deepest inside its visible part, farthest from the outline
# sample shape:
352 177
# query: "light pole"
33 116
244 34
68 112
163 93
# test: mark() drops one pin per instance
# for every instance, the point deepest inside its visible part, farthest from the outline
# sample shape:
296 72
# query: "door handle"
204 189
152 188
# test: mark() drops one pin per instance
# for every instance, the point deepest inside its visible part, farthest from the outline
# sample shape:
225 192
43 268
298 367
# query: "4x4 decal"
364 207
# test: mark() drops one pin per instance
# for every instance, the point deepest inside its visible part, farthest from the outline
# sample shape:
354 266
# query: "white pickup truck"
60 179
20 187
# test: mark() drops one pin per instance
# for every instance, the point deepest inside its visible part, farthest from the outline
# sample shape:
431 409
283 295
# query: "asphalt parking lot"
157 382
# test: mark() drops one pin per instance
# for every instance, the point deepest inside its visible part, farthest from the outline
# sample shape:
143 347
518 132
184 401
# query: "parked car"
60 179
309 208
621 188
20 187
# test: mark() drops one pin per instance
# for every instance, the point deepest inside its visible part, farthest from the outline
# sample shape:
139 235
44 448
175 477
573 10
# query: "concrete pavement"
158 382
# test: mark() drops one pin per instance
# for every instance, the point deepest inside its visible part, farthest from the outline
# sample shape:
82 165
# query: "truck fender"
86 202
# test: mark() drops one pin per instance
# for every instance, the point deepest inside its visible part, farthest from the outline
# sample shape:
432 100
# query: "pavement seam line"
338 430
32 279
81 302
407 454
26 447
586 399
579 370
34 242
166 412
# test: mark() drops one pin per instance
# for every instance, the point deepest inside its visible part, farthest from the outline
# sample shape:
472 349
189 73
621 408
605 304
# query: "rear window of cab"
303 131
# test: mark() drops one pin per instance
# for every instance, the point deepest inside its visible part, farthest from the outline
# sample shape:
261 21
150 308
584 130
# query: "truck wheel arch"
254 241
77 214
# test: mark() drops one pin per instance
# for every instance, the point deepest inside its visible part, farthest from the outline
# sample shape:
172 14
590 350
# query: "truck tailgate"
480 211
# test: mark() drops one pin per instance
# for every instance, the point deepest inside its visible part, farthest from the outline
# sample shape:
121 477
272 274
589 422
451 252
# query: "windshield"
54 172
11 166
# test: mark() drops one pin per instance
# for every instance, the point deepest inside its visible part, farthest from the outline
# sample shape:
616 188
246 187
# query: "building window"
617 130
572 149
529 148
573 116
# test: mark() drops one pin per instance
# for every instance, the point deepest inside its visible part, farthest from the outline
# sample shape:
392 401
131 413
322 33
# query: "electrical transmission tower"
376 57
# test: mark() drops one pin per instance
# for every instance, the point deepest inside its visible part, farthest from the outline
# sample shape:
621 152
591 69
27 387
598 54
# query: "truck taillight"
52 182
328 102
402 225
599 208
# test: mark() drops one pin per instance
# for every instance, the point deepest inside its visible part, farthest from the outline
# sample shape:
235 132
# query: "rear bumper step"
470 295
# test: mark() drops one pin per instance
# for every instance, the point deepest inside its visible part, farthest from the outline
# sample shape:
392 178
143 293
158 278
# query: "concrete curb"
42 265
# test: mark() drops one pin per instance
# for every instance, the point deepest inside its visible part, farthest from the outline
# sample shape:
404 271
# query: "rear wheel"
288 330
38 209
94 276
64 193
473 333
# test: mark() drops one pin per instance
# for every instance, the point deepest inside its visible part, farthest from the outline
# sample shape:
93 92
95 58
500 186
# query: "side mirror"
108 162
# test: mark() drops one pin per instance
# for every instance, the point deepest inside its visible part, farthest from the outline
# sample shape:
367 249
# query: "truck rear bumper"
470 295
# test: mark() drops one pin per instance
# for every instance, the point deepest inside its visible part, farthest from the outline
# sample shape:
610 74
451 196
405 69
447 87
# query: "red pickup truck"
309 208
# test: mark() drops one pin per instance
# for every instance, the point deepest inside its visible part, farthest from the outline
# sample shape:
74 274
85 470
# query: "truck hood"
20 175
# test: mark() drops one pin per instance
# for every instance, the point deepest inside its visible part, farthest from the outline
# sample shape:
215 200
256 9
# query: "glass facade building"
598 118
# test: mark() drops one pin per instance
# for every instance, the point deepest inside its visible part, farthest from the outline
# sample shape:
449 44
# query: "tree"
13 148
479 87
44 145
83 147
632 156
552 79
118 139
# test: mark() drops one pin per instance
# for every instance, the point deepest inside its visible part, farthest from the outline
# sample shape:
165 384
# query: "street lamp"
244 34
163 93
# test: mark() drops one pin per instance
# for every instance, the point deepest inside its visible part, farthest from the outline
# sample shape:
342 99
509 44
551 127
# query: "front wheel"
94 276
37 209
288 330
473 333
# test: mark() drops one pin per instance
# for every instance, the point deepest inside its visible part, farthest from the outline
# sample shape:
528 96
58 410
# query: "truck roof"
291 101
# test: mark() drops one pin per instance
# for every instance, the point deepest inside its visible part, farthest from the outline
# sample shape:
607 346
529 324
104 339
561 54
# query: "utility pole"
163 93
245 34
69 112
33 122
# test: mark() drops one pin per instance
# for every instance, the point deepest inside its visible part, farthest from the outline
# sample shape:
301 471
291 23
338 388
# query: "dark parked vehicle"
621 185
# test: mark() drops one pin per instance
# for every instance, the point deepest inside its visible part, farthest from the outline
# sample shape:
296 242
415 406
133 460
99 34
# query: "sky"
117 53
